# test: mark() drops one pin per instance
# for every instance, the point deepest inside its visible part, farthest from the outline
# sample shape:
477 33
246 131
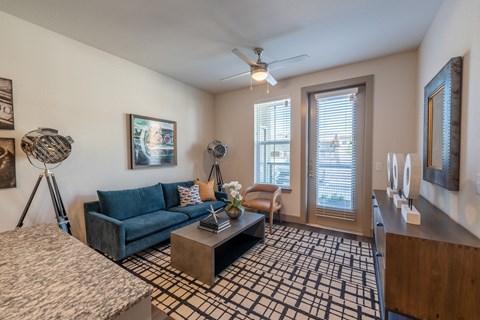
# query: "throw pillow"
206 190
189 196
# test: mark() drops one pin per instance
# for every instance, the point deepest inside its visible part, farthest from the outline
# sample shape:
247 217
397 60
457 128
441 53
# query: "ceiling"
192 40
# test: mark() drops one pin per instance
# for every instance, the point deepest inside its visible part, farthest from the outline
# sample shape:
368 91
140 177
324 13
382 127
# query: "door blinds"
335 164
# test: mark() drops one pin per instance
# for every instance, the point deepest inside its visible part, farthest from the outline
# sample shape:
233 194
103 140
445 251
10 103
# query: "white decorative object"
397 170
390 190
411 215
412 177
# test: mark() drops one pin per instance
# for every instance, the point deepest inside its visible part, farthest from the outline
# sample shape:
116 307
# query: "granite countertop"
48 274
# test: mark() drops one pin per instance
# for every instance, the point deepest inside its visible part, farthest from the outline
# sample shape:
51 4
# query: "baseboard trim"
294 219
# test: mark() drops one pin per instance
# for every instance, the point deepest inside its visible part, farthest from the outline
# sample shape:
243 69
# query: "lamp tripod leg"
219 177
29 202
63 212
60 213
211 172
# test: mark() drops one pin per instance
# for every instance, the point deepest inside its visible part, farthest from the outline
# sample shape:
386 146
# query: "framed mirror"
441 143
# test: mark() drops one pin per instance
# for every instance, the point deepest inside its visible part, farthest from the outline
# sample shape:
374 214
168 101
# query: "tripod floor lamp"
49 148
217 151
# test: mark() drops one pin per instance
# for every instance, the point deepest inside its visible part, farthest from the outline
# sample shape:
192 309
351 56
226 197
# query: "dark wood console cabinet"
427 271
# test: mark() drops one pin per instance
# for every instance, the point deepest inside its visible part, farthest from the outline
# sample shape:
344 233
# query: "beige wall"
87 93
455 32
394 107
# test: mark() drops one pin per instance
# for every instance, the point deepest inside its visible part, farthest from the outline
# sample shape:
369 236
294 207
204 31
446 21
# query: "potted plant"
234 208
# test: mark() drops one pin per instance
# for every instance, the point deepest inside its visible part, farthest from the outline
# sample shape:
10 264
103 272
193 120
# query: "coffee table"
203 254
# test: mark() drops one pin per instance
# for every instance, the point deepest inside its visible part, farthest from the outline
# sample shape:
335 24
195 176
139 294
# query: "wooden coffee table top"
192 232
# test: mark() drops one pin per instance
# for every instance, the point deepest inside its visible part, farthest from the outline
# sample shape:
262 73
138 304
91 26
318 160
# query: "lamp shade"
259 74
46 145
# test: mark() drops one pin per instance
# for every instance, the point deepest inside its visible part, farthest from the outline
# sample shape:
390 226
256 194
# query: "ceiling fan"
260 70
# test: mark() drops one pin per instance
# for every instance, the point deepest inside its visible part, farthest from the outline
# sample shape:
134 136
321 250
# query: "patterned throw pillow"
189 196
206 190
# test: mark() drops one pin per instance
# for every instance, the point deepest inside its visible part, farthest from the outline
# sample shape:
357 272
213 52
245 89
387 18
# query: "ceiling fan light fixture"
259 74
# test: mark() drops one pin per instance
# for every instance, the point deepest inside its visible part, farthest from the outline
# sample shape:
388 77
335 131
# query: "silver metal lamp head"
46 145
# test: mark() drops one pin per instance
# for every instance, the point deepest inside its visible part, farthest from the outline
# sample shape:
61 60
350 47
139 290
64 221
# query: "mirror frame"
451 78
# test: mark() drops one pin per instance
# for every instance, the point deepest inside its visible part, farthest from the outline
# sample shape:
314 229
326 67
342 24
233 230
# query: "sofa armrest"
105 234
221 196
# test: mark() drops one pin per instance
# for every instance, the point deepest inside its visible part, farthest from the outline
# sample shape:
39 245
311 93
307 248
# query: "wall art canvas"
7 163
153 142
6 104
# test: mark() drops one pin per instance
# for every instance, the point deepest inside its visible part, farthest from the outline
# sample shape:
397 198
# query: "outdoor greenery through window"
272 142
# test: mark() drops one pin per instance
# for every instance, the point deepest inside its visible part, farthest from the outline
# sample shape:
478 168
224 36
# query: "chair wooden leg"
270 221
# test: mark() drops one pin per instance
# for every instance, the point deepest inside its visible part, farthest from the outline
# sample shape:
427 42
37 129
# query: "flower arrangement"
233 188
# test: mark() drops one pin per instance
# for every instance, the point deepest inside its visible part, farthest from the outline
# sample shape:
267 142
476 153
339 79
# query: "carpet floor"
294 274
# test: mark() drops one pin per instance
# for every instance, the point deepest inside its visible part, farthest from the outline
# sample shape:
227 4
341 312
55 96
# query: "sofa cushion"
170 192
206 190
124 204
199 209
189 196
146 224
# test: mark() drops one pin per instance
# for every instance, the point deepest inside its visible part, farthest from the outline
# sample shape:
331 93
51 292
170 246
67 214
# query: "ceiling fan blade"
282 63
240 54
236 76
270 79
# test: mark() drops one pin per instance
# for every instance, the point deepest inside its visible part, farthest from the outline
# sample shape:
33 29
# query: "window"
272 142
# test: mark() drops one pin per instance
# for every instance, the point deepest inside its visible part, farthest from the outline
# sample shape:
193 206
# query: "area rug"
294 274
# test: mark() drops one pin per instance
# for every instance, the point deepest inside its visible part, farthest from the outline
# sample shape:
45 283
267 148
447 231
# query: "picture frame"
442 115
6 104
7 163
153 142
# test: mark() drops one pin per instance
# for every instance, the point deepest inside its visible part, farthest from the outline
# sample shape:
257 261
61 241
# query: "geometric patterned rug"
294 274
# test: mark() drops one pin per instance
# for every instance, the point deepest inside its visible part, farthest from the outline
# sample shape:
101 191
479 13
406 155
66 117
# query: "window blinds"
335 164
272 142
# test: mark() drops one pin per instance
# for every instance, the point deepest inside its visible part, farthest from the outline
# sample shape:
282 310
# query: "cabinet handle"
378 254
379 224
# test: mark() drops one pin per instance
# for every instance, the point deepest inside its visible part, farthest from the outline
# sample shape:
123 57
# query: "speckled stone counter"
47 274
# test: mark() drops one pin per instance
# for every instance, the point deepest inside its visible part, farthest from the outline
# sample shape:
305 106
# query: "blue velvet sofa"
123 222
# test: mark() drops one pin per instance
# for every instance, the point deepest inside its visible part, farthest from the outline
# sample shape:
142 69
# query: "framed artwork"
7 163
441 131
6 104
153 142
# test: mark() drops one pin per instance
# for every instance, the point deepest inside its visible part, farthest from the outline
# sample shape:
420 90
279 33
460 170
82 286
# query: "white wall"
455 32
87 94
394 129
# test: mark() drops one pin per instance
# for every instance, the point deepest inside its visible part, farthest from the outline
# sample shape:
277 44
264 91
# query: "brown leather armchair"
271 204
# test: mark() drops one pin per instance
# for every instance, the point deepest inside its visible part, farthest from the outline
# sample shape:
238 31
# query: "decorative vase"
234 212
